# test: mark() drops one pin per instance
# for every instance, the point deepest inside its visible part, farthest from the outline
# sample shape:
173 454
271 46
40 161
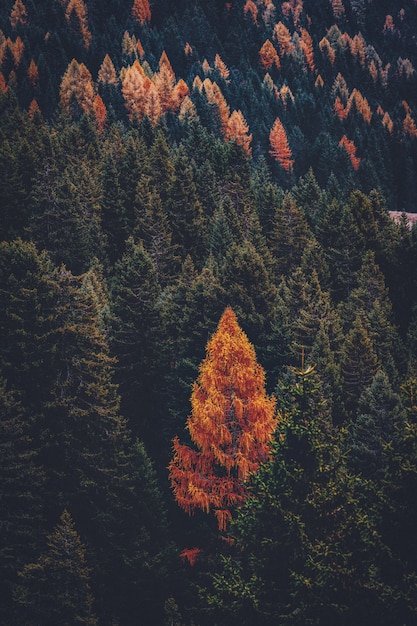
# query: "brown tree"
280 148
232 423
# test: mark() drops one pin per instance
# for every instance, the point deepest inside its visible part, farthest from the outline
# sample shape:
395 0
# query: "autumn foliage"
232 422
350 148
141 11
280 148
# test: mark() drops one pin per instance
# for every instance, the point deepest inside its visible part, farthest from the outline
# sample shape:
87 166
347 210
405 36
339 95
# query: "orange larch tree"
268 56
326 48
350 148
232 423
3 84
215 96
100 112
33 108
33 74
251 9
238 130
221 67
280 148
19 14
164 81
141 11
283 38
107 73
76 13
135 86
307 47
77 85
409 125
295 7
338 8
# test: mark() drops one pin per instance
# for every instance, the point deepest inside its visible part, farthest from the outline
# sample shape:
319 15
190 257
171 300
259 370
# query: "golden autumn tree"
232 423
107 73
77 88
280 148
238 130
135 88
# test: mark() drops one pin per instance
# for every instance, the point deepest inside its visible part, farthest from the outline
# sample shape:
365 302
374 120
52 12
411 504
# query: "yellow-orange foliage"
33 74
238 130
283 38
362 105
338 8
307 47
231 424
409 125
100 112
326 48
135 86
141 11
215 96
179 93
16 48
222 68
350 148
77 11
295 7
164 81
280 148
18 14
268 56
357 47
387 122
3 84
107 73
251 8
33 109
341 111
77 84
388 25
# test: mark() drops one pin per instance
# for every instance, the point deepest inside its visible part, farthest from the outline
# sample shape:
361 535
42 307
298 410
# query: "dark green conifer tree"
137 337
55 589
21 488
302 551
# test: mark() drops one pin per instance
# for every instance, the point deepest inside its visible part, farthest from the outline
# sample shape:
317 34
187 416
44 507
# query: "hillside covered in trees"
208 316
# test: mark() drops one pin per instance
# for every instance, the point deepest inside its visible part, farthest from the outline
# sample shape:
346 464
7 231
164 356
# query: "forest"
208 314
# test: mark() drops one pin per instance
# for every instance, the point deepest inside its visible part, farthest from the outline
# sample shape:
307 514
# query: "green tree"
359 364
21 488
137 336
301 551
55 589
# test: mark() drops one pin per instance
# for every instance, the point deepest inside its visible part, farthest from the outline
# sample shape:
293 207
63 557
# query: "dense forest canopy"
204 239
